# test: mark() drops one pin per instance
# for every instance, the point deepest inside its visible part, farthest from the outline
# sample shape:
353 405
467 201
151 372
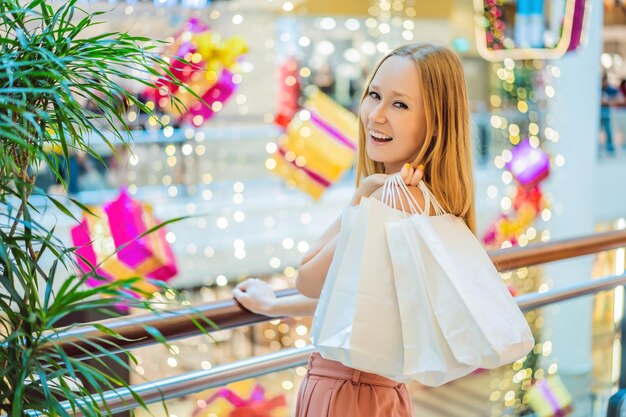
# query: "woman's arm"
327 236
256 296
315 264
312 271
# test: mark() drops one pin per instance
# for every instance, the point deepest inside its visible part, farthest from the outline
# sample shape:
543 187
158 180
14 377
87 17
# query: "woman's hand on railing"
257 296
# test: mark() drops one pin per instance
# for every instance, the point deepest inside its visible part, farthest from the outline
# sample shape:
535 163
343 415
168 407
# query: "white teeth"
379 135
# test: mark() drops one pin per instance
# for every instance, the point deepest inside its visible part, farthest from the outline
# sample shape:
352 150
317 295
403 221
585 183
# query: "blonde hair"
446 153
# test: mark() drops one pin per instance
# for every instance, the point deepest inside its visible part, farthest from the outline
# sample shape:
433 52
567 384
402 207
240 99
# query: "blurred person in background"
608 97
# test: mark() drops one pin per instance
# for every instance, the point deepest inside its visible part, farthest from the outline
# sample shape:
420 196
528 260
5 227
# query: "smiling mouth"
379 137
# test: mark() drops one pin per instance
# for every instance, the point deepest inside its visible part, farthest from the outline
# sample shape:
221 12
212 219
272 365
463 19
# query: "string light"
516 92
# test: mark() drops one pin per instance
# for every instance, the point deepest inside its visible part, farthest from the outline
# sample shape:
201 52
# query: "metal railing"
172 324
192 382
227 314
182 322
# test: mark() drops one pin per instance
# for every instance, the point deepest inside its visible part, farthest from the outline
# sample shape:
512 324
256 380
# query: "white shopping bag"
426 353
394 302
376 328
335 307
474 310
357 321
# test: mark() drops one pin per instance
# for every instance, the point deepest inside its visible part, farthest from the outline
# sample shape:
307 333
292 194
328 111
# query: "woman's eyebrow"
395 92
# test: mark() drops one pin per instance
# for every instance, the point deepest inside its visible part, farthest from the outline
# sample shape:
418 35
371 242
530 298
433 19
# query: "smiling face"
392 114
416 110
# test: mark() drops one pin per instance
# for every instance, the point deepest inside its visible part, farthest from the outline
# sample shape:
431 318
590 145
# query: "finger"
241 298
416 178
407 179
417 175
240 295
406 172
244 285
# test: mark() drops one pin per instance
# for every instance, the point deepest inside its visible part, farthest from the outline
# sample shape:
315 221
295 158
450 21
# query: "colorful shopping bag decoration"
529 165
208 67
550 398
121 222
319 145
227 402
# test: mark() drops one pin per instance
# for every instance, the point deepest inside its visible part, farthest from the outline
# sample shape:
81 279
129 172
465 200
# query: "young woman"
414 113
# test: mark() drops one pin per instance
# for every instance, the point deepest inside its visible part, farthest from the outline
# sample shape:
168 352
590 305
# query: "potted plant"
48 67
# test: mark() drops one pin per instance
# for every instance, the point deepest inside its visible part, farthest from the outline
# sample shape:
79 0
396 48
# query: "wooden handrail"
179 323
541 253
196 381
172 324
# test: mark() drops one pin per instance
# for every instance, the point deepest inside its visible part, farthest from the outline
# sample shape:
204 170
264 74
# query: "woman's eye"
374 94
400 105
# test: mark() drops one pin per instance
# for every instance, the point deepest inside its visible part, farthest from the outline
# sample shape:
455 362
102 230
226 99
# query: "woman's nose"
377 114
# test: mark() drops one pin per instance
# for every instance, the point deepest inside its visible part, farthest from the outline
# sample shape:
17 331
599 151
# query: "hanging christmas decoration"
288 92
580 14
230 402
120 223
494 25
518 30
521 124
550 398
527 204
318 147
207 65
529 164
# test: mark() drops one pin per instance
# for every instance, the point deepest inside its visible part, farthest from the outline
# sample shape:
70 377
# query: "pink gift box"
121 222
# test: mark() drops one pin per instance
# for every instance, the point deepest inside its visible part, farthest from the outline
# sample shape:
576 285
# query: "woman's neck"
393 168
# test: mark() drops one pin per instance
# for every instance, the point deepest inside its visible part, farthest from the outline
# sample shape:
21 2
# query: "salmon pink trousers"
331 389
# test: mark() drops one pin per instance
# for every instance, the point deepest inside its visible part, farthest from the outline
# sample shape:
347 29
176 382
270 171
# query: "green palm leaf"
47 66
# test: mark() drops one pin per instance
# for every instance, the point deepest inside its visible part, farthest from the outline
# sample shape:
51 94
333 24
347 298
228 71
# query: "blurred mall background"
547 87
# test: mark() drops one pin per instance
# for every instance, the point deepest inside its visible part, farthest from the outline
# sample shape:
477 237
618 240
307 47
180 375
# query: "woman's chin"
392 165
375 154
375 158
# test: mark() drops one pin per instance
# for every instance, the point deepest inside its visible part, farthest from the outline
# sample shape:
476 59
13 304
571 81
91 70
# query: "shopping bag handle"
394 188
